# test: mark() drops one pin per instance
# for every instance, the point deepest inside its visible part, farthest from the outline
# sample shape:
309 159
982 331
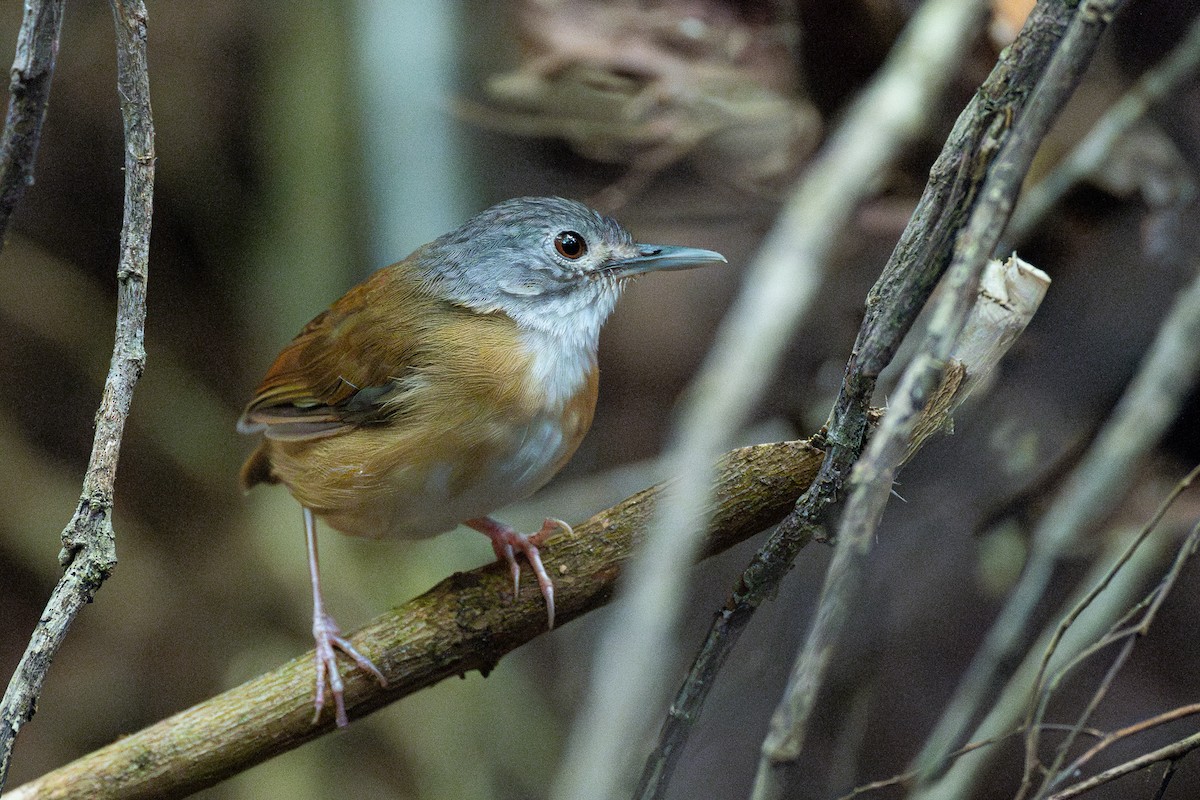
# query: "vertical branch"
89 546
29 91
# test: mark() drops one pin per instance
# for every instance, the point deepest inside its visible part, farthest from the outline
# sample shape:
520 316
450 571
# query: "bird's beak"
656 257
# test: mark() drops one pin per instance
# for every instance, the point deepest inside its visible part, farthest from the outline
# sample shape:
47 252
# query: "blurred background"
302 145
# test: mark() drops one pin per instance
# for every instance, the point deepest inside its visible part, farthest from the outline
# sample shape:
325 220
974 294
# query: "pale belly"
410 499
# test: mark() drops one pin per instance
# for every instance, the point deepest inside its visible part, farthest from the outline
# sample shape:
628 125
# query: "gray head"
547 262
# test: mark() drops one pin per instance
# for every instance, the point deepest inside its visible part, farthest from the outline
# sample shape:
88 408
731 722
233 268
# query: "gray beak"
657 257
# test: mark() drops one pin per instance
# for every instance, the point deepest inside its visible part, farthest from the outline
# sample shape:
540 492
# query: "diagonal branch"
1044 687
875 473
455 627
1150 403
1056 774
89 547
1109 739
628 672
1089 155
918 261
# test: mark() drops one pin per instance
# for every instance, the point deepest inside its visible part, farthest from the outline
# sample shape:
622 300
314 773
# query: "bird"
447 386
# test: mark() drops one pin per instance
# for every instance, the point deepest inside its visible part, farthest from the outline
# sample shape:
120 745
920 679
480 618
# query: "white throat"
563 333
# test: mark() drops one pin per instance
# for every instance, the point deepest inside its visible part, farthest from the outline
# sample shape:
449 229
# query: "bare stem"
29 95
964 776
1112 738
1171 753
89 546
1043 688
1056 775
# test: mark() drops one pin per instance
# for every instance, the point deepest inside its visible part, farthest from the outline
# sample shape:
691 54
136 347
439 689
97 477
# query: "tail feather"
257 469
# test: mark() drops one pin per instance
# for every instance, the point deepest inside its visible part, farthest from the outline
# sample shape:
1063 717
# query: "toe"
534 556
364 663
328 641
550 526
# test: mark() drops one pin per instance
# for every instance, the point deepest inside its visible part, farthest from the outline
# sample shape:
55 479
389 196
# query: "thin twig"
89 547
457 626
29 95
1055 775
1069 619
1040 698
1008 710
628 673
1112 738
874 475
1095 149
1063 748
1172 752
903 778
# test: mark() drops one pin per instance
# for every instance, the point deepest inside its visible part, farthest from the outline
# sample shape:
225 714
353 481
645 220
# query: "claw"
506 542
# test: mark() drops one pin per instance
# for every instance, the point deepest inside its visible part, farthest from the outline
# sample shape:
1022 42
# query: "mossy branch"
457 626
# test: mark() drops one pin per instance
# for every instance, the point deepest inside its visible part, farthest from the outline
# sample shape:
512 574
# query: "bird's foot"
506 543
329 640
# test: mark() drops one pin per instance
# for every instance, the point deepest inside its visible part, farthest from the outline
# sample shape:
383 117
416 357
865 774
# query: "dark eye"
570 244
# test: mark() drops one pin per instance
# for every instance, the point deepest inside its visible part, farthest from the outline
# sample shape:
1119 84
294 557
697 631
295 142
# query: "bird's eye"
570 244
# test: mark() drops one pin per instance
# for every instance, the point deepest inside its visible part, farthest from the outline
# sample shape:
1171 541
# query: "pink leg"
328 638
505 543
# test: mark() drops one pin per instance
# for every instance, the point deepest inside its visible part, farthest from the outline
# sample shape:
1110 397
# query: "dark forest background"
301 146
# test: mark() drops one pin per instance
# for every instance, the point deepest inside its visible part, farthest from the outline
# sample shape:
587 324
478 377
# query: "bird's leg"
329 638
505 543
